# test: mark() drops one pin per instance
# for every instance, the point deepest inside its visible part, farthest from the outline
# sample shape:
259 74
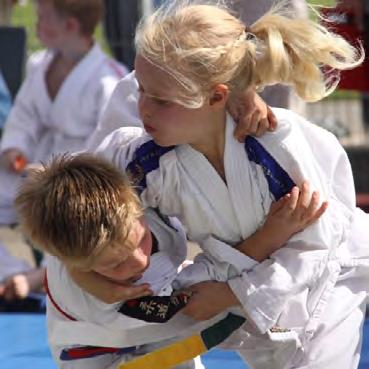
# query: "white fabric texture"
121 110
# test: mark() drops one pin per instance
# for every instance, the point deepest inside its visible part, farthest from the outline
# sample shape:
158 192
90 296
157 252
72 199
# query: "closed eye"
159 101
155 99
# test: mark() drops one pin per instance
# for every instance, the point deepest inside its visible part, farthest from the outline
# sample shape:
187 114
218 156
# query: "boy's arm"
105 290
23 125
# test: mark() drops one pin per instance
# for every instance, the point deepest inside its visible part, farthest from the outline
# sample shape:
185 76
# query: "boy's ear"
219 95
73 25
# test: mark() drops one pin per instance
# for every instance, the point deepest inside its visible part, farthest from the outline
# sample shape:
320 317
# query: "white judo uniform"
314 287
68 306
40 127
121 110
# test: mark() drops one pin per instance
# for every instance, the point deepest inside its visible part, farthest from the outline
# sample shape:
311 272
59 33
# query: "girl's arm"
289 215
252 115
106 290
310 258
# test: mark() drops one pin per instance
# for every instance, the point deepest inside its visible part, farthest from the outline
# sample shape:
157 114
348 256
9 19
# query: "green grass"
25 16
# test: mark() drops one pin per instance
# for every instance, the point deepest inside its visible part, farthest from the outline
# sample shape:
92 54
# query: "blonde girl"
191 58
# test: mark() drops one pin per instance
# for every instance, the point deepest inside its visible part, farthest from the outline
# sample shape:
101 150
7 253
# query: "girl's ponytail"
301 53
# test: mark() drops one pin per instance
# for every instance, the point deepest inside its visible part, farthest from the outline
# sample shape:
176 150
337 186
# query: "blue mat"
23 345
23 342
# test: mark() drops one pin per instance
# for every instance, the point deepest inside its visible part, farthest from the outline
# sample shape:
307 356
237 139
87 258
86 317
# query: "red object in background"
342 23
20 163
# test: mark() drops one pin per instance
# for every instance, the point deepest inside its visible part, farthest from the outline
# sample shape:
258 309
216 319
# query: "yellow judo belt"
186 349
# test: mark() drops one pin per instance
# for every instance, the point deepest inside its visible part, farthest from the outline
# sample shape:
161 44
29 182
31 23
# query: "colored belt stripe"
186 349
85 352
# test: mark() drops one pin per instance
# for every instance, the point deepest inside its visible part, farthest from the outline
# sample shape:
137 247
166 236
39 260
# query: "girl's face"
120 263
167 122
51 27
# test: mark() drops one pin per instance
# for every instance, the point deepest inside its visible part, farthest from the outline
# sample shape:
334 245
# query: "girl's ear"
219 96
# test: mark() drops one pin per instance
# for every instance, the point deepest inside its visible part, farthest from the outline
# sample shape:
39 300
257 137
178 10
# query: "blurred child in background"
60 102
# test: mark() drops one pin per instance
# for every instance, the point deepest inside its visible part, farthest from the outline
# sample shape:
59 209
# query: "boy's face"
51 26
122 264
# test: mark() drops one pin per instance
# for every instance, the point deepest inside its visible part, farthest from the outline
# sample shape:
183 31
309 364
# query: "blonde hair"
201 45
77 205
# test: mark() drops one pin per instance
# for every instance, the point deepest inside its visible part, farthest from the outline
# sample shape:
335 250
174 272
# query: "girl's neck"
212 142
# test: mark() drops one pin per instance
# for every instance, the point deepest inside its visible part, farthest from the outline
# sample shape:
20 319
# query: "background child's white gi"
40 127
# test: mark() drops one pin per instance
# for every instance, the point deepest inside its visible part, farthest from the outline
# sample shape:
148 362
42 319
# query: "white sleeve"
120 145
107 87
23 126
267 288
120 111
218 262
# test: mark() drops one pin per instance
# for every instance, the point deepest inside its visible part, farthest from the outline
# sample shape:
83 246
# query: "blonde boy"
83 212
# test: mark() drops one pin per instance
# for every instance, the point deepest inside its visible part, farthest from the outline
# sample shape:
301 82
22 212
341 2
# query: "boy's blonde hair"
201 45
77 205
88 12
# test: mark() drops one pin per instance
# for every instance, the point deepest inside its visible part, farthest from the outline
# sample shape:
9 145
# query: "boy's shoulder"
37 59
110 66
